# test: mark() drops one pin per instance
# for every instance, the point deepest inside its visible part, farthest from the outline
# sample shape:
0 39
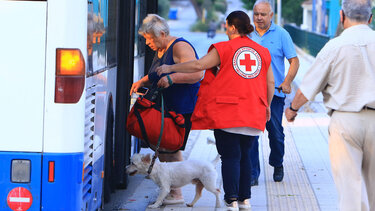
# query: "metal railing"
309 41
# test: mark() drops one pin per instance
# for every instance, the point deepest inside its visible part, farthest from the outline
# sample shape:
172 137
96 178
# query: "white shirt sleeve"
316 78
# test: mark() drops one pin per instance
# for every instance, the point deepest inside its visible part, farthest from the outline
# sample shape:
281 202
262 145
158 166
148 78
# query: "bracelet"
291 108
170 82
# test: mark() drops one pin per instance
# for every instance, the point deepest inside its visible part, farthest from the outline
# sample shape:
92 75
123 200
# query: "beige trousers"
352 154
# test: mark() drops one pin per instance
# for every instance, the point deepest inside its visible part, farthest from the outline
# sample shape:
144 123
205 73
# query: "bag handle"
160 136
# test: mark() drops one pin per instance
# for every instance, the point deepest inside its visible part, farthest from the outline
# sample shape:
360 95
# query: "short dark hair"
241 21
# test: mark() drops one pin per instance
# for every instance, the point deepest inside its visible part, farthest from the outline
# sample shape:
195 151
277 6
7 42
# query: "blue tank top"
180 98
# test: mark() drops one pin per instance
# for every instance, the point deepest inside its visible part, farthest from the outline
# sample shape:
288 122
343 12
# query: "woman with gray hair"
180 93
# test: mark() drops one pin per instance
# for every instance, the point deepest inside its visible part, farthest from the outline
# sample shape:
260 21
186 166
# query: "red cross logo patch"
247 62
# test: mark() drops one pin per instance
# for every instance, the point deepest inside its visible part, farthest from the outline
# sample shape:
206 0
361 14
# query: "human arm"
180 78
270 91
211 59
292 72
298 101
143 82
182 52
314 81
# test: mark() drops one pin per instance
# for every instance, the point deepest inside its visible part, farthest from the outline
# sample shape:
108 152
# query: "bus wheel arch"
108 182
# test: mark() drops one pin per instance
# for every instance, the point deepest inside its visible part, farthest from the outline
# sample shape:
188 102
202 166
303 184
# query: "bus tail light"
21 170
70 75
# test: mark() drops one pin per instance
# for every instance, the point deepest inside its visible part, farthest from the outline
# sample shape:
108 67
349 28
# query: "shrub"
199 26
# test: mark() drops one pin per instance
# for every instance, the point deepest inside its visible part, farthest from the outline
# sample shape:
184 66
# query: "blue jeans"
276 138
234 150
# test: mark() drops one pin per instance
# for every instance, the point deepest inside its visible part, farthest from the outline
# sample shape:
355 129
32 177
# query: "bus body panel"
67 180
92 200
21 112
5 177
103 97
64 123
72 135
100 93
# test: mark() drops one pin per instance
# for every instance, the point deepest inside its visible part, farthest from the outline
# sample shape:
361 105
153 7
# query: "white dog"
169 175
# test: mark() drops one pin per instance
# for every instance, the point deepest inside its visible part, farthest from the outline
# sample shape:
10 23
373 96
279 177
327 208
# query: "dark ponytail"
241 21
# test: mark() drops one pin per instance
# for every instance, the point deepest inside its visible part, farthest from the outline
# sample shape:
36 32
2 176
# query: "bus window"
140 14
111 37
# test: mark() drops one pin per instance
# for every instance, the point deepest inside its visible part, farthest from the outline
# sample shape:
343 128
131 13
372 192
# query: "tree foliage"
211 7
212 10
163 8
291 9
248 4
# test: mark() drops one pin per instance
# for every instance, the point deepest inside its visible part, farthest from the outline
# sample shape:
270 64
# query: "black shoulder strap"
142 126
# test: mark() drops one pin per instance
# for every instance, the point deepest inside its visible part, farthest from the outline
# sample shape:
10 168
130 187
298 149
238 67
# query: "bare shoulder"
182 45
182 52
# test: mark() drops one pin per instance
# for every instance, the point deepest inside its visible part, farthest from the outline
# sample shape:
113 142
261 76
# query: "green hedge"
307 40
199 26
372 24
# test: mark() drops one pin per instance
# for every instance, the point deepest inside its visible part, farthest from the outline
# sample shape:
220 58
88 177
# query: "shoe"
244 205
254 182
278 174
232 206
170 200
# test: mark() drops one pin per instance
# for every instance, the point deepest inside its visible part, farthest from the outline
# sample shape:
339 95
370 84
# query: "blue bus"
66 70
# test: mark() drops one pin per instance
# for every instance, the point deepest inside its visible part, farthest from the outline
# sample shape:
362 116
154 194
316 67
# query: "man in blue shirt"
280 45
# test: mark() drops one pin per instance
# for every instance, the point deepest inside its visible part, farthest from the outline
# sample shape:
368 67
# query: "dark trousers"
275 135
234 150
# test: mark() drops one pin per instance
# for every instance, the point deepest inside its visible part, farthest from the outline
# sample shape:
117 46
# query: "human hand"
285 87
135 87
163 82
268 113
290 115
163 69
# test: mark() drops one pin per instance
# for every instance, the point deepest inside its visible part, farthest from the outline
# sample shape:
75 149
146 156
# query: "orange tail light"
70 75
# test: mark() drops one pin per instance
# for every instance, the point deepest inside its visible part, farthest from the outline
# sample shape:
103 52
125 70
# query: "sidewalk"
307 183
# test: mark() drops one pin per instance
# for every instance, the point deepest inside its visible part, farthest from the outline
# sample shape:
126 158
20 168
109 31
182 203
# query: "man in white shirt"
344 71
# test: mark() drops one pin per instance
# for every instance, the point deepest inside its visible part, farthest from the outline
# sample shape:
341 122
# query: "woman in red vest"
234 99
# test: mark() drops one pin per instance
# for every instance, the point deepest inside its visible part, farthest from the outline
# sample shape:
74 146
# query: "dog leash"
159 139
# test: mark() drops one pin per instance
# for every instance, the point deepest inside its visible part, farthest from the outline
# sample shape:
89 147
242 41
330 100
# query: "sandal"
170 200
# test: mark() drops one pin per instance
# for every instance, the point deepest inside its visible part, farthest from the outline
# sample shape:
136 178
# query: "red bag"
144 122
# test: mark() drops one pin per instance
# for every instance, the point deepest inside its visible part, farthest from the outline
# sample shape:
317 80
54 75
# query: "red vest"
236 94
